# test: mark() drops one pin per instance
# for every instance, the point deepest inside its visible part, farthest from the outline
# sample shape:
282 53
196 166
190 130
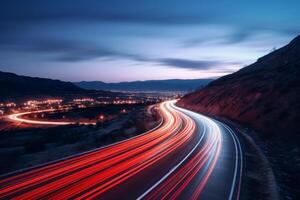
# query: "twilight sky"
125 40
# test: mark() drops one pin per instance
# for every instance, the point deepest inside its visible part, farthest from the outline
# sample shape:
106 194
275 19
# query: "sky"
126 40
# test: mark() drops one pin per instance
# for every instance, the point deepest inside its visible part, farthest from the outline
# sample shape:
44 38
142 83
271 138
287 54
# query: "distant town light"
11 104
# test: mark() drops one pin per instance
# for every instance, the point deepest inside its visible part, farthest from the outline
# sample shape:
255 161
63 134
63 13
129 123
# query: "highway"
188 156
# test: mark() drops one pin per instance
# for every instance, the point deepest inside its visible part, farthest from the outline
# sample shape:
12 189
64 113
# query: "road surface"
189 156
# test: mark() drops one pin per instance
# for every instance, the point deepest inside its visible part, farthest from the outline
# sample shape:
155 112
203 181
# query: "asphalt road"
188 156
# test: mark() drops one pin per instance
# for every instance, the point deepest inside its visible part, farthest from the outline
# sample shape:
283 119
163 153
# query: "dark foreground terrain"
28 146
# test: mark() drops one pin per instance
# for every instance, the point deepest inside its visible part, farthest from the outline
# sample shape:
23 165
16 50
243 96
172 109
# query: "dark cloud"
195 64
71 51
192 42
233 38
238 36
85 54
65 50
93 53
17 16
78 53
132 11
15 13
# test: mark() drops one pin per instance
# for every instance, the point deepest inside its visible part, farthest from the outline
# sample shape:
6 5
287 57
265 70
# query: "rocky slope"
264 95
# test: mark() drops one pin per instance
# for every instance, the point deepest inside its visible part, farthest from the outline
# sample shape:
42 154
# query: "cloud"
65 50
238 36
221 37
195 64
131 11
71 51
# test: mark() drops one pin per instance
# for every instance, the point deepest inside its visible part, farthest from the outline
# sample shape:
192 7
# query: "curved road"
189 156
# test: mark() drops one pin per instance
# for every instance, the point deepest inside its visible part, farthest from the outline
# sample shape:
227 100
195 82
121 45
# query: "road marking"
238 151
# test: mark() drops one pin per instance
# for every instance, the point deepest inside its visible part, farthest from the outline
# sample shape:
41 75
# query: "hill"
264 95
15 86
149 86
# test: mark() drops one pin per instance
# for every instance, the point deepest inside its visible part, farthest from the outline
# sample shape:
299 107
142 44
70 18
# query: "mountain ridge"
148 85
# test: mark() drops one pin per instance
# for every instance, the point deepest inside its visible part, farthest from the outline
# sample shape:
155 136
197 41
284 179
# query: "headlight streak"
175 184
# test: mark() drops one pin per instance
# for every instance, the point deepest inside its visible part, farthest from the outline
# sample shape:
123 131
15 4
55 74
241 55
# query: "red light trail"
18 118
178 159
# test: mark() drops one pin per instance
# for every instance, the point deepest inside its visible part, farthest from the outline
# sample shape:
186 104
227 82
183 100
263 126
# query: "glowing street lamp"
101 117
123 111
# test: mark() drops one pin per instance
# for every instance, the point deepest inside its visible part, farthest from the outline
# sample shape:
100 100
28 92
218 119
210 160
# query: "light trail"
176 160
18 118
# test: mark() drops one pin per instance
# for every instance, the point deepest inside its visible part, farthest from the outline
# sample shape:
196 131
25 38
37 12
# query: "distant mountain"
151 85
15 86
265 95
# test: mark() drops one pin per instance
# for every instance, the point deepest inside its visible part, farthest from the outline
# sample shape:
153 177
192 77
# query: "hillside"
151 85
264 95
15 86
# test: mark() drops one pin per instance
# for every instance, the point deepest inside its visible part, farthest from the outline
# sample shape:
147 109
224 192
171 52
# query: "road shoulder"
258 180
